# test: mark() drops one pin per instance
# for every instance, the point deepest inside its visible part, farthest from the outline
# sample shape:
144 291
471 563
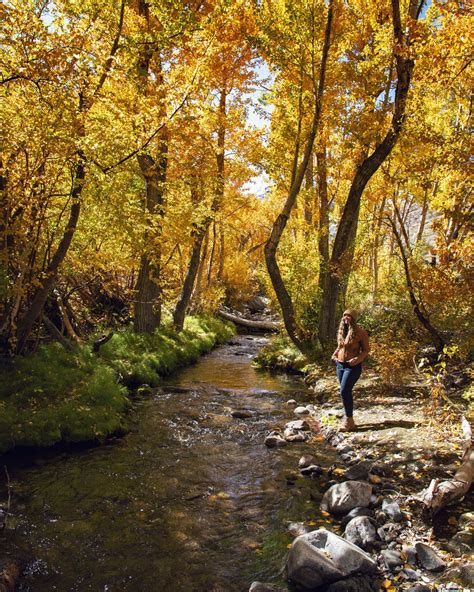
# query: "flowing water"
191 500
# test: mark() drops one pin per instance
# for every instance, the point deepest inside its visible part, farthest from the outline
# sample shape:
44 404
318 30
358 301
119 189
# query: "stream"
191 500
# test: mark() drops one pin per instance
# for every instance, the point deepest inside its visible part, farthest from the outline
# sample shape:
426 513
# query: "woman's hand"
353 361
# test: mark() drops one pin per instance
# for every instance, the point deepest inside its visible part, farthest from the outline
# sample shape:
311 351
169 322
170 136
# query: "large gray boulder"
321 557
343 497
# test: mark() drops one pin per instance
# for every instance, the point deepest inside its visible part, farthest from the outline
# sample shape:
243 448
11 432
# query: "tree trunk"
375 251
27 321
188 286
147 306
309 196
342 252
437 339
198 287
279 225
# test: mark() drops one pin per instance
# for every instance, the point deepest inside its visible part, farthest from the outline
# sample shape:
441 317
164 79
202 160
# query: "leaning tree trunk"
27 321
188 286
341 258
195 268
284 298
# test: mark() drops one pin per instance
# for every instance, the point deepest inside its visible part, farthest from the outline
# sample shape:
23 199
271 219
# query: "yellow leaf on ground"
323 513
386 584
312 523
375 479
339 471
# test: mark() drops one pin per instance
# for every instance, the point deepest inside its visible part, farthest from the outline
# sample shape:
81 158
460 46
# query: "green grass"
145 359
281 355
55 396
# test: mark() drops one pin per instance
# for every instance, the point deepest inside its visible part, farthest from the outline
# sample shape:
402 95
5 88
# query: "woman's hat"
351 312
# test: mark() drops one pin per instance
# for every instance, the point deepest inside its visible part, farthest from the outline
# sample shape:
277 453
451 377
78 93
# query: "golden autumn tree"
355 49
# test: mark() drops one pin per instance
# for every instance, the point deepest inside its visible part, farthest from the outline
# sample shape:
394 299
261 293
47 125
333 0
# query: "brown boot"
347 425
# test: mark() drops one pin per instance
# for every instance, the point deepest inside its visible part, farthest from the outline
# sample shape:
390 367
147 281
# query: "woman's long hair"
345 332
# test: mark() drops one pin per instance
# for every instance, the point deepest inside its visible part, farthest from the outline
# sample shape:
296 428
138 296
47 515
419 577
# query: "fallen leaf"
386 584
375 479
339 471
452 520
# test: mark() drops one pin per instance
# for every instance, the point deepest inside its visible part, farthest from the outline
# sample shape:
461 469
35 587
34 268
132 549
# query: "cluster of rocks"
373 554
294 431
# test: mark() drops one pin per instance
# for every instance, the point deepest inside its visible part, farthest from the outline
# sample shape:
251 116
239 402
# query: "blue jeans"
347 375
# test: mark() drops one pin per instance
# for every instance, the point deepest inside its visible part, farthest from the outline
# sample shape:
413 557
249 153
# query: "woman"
352 349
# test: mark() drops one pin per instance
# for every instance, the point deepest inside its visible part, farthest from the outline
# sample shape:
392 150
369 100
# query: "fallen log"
254 325
442 493
98 343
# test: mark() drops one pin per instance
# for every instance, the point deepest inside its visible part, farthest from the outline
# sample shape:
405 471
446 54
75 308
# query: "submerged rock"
298 425
241 414
343 497
301 411
297 529
312 471
321 557
462 542
273 440
359 471
306 460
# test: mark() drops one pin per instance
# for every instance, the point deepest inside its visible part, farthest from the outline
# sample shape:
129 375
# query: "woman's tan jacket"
357 347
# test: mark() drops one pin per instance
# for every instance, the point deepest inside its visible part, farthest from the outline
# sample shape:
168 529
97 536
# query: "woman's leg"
349 376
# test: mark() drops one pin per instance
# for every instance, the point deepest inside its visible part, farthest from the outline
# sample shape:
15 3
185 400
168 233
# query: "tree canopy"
130 156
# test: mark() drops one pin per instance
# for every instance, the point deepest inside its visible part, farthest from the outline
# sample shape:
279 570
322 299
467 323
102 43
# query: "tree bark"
279 225
188 286
147 306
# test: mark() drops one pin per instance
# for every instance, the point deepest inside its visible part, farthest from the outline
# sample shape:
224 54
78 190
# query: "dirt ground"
411 441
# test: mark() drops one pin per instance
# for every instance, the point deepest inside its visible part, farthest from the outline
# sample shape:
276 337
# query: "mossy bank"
55 396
